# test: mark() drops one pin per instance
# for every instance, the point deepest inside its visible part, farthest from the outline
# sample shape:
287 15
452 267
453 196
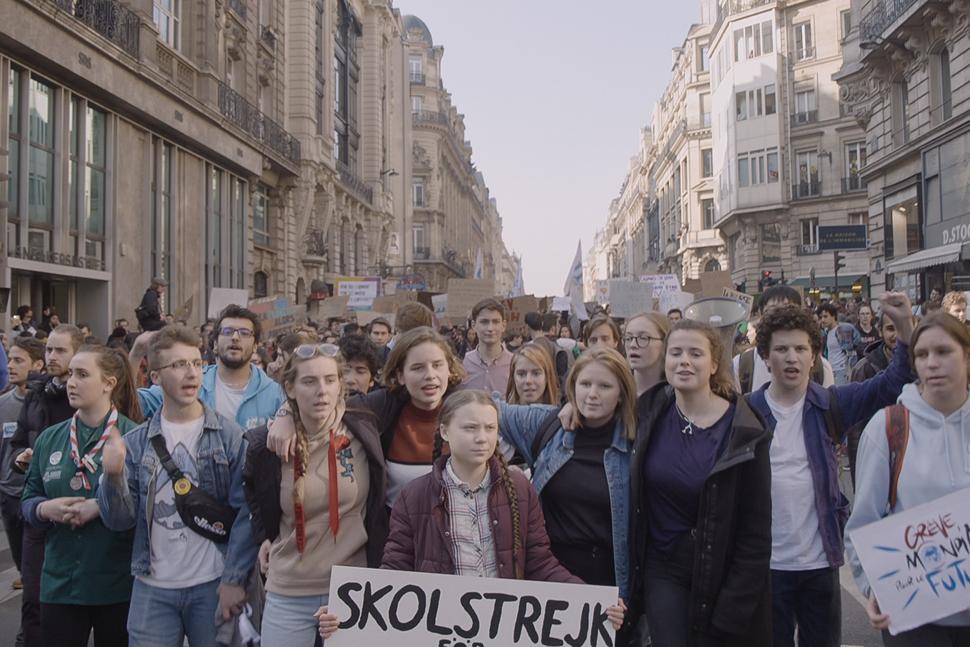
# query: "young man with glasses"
232 386
183 576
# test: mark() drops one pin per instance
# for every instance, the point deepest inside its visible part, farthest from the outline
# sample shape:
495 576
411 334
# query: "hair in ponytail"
113 363
448 410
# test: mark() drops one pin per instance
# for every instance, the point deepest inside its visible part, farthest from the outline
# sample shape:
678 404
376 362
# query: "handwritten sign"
463 294
746 299
628 298
918 561
361 291
277 315
404 609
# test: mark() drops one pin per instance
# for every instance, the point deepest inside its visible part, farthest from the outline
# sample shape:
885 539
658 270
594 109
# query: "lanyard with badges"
80 479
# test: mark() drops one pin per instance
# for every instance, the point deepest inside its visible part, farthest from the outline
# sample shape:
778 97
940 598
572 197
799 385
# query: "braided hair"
451 406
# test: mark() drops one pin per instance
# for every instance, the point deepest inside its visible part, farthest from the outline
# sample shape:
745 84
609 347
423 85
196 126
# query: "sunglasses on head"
307 351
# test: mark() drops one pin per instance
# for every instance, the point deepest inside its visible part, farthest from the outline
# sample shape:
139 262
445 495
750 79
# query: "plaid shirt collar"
452 481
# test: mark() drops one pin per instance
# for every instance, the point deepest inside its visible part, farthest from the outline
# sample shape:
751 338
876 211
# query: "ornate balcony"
246 116
853 183
807 117
429 117
881 16
808 189
418 78
356 185
107 17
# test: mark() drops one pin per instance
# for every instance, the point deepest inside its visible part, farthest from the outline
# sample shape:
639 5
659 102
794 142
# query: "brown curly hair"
787 317
411 339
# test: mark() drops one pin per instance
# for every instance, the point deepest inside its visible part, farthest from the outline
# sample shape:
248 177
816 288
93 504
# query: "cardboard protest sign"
392 302
362 290
219 298
628 298
278 315
693 286
713 282
405 609
463 294
916 561
746 299
329 308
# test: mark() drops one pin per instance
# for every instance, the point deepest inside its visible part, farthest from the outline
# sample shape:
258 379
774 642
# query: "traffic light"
839 261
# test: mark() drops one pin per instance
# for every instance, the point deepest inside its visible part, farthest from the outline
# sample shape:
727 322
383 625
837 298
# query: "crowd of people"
173 483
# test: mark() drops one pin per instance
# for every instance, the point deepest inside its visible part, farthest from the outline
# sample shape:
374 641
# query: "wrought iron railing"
807 117
109 18
429 117
853 183
417 78
809 189
350 180
807 250
240 112
881 16
422 253
731 7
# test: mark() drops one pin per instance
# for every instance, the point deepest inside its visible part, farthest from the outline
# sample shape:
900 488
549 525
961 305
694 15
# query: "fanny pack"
199 510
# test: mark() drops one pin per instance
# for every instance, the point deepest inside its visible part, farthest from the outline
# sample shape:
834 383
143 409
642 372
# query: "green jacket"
88 566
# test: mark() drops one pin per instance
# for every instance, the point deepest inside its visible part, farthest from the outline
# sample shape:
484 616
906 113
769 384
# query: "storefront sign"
918 561
832 237
56 258
405 609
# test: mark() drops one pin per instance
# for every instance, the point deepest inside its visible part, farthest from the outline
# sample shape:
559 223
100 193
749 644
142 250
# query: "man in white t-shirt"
808 512
182 577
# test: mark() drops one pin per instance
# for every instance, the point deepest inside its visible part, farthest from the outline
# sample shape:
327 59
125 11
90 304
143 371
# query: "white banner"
917 561
404 609
361 291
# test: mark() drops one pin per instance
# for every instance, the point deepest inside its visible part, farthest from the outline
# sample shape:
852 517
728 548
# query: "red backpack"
897 433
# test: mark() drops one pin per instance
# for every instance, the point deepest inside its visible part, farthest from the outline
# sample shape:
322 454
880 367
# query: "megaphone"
723 314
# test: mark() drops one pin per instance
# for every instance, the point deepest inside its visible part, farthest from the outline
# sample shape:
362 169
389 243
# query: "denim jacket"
221 456
520 424
857 402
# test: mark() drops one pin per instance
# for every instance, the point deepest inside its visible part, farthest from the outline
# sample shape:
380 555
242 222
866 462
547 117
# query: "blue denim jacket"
857 402
520 424
222 453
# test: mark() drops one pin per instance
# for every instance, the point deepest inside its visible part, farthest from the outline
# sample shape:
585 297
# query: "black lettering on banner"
500 599
526 619
549 621
466 605
433 626
600 626
369 606
343 592
396 601
580 638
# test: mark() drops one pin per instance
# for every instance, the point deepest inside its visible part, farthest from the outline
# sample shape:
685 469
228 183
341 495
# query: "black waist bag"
199 510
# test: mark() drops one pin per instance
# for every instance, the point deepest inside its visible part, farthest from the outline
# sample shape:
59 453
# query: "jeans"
164 617
31 565
13 524
667 593
929 636
70 625
288 620
810 600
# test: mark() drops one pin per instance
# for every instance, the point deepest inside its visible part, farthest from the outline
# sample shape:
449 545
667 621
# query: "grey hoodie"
936 463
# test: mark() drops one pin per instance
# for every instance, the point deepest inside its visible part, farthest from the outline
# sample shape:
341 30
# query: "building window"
744 178
707 208
418 192
900 112
712 266
805 107
758 167
264 13
346 79
320 68
771 164
417 103
859 218
14 140
770 243
166 14
261 214
941 94
703 59
260 285
806 164
40 181
741 105
419 240
855 159
809 233
214 216
237 233
707 162
705 106
770 102
160 226
804 44
752 41
846 23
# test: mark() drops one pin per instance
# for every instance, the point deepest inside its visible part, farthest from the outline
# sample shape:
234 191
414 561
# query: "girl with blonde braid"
324 508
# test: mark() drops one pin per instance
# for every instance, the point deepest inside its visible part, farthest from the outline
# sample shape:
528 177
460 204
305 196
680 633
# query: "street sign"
832 237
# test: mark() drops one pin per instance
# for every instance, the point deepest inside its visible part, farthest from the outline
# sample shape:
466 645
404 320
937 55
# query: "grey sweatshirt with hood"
936 463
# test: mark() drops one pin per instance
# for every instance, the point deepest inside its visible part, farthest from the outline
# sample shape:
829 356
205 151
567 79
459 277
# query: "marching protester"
700 537
915 452
602 332
361 365
808 424
643 341
419 373
955 304
233 387
45 405
441 521
487 365
879 354
379 332
325 507
177 480
532 379
868 331
86 582
840 341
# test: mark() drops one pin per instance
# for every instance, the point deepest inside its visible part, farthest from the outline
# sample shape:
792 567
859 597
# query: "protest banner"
334 307
628 298
518 307
219 298
277 315
405 609
917 561
362 290
440 304
746 299
463 294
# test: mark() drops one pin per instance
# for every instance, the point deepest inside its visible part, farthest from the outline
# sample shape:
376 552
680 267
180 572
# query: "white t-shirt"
228 399
836 355
761 375
796 543
180 557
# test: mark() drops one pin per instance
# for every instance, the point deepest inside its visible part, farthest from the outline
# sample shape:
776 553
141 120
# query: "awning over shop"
845 280
926 258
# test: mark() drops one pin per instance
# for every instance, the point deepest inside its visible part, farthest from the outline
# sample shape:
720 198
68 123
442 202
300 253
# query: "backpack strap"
548 429
746 370
897 433
158 444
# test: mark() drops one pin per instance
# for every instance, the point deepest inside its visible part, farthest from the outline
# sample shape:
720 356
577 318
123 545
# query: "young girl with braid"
471 515
323 508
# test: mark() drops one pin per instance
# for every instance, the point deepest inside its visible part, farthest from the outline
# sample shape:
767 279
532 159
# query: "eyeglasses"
307 351
641 341
182 364
244 333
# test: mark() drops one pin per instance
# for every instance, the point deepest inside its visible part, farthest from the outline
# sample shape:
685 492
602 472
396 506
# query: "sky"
554 94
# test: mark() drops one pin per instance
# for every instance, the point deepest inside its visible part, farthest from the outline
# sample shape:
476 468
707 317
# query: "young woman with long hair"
643 340
582 475
324 508
701 504
934 460
532 378
473 479
418 374
86 580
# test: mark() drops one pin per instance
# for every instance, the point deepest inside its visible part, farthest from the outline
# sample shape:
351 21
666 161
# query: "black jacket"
263 471
45 405
874 361
149 311
730 599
